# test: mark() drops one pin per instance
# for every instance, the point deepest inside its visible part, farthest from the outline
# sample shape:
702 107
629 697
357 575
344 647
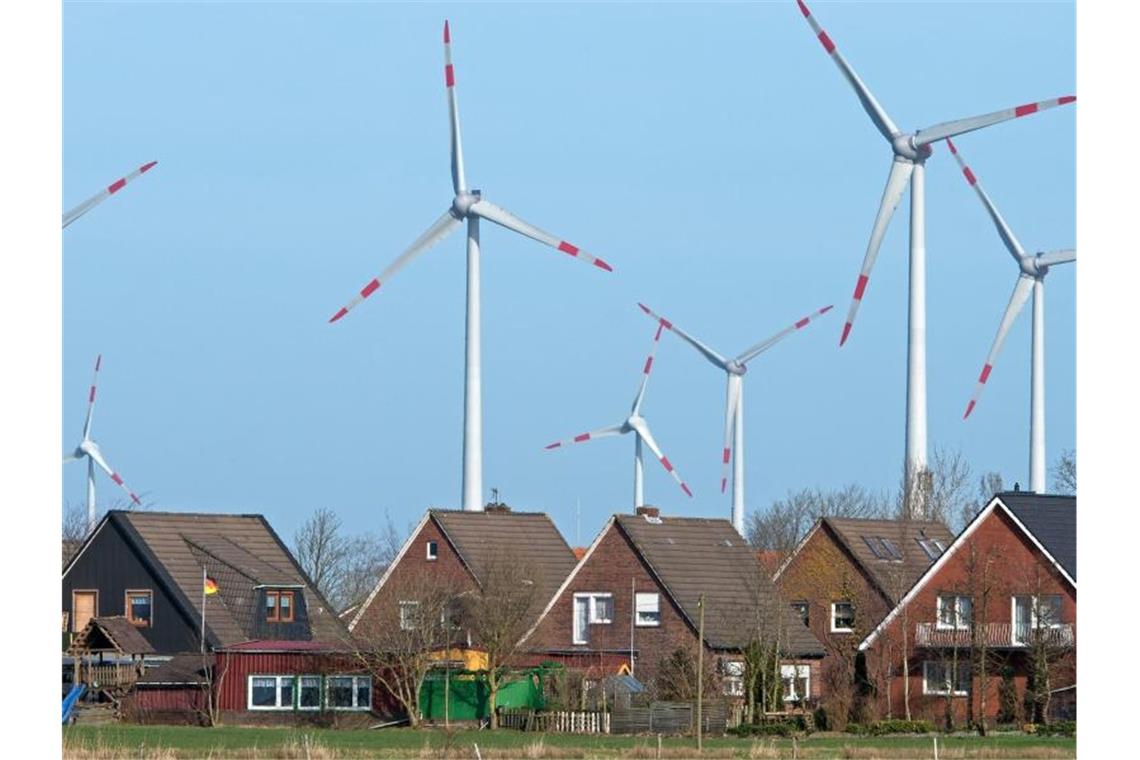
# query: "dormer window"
279 606
432 550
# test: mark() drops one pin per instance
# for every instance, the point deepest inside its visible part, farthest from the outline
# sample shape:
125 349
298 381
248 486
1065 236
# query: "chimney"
648 511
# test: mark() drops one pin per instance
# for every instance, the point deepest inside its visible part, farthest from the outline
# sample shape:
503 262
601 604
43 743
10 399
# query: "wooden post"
700 666
936 747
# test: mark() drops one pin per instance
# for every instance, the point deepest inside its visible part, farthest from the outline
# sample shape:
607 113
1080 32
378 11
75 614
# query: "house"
633 604
989 629
455 549
843 578
158 572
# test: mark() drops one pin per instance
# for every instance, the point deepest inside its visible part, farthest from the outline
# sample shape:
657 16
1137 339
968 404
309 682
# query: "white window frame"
278 681
843 630
793 673
732 680
299 687
947 685
591 612
432 556
959 623
1034 605
356 679
638 597
407 622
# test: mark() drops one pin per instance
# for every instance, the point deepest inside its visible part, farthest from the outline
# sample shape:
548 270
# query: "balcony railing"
996 635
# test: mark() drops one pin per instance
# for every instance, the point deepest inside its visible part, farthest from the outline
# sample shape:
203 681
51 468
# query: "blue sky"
713 155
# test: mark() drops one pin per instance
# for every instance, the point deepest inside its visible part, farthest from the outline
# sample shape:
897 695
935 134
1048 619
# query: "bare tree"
942 489
499 612
1065 473
984 582
397 642
787 520
343 567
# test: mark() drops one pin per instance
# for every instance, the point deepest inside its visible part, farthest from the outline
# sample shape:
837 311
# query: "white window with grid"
648 607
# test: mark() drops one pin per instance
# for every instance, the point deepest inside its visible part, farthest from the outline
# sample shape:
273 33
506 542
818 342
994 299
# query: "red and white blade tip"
446 33
577 252
685 488
982 378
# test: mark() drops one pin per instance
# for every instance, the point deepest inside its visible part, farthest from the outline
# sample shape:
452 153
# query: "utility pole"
700 665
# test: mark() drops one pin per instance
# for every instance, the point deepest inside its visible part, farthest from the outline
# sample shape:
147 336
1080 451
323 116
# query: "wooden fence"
671 718
556 721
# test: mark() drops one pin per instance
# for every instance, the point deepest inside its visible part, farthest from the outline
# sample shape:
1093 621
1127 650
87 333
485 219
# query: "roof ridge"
164 513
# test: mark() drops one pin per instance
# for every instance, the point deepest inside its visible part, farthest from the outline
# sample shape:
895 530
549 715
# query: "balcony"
995 635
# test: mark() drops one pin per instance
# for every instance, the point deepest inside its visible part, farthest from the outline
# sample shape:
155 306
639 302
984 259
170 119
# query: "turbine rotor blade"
440 229
104 194
897 180
1017 300
718 361
458 180
878 115
500 216
91 398
97 457
962 126
1012 244
1053 258
732 401
751 353
600 433
642 429
647 368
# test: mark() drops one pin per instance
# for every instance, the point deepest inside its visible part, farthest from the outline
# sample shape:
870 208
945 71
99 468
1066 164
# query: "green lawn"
170 742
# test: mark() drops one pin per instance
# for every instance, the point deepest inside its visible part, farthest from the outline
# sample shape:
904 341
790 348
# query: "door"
83 608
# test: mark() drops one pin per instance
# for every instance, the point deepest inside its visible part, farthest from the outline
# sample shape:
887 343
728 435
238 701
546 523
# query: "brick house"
1006 588
273 643
455 547
632 602
843 578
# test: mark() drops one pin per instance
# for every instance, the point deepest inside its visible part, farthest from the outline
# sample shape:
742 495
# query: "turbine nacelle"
734 367
86 447
1032 265
463 202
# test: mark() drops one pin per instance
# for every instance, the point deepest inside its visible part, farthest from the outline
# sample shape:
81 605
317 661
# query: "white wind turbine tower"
637 425
104 194
468 204
1033 268
908 166
89 449
734 401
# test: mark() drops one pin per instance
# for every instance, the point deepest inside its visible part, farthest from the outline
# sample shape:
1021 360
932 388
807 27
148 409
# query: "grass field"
177 742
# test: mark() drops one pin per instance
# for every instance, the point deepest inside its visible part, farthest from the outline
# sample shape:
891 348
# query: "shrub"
820 718
1060 728
779 728
883 727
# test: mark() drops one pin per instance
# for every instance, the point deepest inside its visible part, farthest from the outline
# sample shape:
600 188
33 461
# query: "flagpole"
203 634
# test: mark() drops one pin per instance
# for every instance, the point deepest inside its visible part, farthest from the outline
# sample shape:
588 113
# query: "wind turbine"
467 205
908 166
734 401
637 425
89 449
1033 268
104 194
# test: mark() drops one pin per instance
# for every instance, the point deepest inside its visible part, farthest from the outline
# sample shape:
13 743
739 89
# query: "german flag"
211 586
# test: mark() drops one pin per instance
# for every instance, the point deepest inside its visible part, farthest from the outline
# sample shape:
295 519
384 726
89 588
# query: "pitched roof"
889 551
1052 519
532 536
179 670
111 634
691 556
238 551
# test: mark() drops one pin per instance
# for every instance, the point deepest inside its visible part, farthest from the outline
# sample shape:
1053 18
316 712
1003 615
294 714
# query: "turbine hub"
462 203
1031 266
904 147
735 368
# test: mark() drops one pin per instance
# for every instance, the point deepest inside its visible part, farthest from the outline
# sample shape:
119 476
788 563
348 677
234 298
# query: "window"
271 692
591 609
432 550
310 689
931 546
138 606
1031 613
279 606
883 548
349 692
409 615
936 678
648 609
733 680
797 682
842 617
801 608
84 606
954 612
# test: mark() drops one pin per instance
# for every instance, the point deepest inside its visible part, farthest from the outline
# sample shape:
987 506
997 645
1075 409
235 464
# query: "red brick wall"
611 568
1002 558
411 571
